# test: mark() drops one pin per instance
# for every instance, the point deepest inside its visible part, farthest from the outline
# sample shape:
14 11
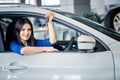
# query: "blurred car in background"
112 17
87 50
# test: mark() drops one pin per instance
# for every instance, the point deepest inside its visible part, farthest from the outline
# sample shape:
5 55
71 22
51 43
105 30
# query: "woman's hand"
50 15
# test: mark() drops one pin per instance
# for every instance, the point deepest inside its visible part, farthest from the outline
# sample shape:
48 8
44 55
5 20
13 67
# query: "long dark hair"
18 26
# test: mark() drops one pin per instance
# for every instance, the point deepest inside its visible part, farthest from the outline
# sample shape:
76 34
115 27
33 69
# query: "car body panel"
63 64
116 54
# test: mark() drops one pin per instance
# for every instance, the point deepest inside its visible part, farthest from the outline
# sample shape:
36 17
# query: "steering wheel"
69 44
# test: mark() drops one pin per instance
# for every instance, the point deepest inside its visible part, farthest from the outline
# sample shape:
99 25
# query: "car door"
61 65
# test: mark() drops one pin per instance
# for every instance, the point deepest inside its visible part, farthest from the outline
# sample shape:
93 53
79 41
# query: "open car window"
67 36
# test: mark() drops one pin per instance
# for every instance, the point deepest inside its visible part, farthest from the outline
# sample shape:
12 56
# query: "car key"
46 22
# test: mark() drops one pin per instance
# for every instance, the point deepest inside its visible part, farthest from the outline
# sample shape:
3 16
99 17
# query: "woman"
26 44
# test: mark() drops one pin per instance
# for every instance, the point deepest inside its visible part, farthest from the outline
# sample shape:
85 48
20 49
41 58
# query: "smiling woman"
25 42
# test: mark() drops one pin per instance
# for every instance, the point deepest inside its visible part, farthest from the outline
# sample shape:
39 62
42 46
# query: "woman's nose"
26 32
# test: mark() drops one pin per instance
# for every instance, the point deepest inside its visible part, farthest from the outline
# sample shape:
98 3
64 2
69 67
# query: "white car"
87 50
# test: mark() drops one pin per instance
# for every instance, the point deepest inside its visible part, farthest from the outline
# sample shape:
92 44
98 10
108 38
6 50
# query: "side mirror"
86 43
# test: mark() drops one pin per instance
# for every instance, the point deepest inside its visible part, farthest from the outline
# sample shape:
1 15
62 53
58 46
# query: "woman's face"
25 32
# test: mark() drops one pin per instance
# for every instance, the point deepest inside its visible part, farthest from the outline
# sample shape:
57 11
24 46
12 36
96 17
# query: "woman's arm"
52 33
32 50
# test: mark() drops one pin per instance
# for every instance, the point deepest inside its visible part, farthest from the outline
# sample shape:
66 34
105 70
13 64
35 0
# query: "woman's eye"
22 29
29 29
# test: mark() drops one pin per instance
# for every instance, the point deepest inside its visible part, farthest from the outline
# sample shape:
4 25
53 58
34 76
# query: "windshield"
111 33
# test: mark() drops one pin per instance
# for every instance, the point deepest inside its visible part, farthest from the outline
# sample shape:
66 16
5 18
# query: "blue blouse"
16 47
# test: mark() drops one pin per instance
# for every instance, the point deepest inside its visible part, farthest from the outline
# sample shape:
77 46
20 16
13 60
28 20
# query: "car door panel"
64 65
116 55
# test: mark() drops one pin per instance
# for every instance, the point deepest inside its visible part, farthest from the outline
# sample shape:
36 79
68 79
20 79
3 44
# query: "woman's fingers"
50 15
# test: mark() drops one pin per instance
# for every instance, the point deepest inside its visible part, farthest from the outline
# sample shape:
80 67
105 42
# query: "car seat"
9 35
1 40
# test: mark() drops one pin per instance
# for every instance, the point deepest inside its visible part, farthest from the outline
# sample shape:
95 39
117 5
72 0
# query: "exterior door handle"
14 67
